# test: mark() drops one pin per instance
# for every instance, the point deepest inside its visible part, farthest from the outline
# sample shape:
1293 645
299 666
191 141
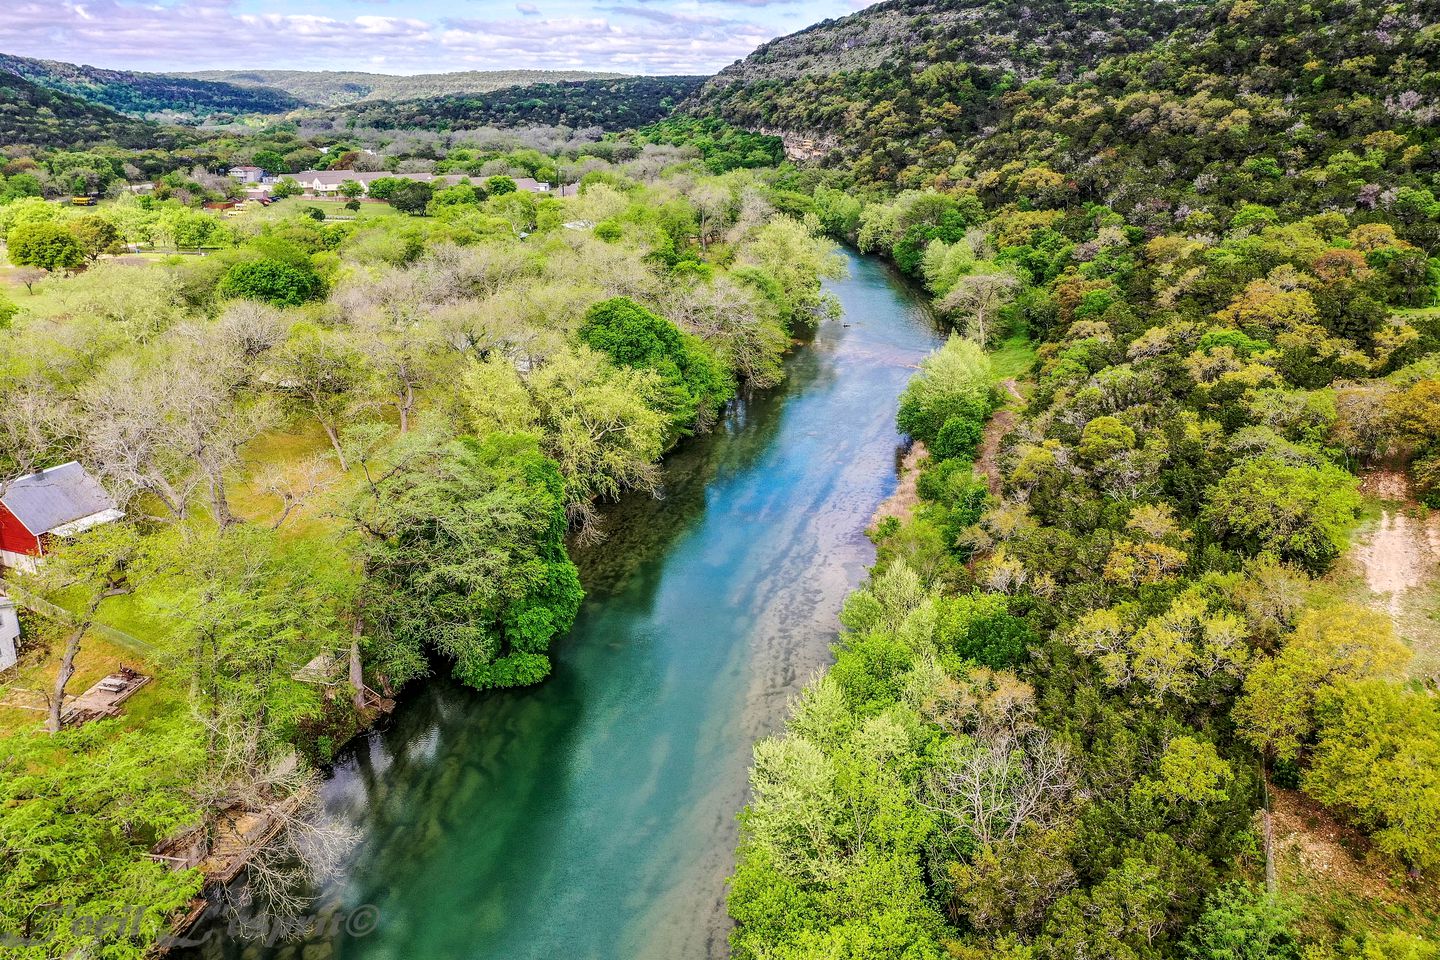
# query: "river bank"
593 815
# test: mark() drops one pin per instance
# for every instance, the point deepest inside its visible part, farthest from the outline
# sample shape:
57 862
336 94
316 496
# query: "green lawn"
1013 358
334 210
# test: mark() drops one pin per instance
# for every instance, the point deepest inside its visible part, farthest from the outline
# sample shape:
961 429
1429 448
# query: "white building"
247 174
9 634
327 182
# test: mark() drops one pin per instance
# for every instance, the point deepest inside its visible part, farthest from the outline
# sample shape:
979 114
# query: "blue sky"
403 36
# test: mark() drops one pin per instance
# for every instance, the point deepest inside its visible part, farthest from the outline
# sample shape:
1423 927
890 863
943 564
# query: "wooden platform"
104 698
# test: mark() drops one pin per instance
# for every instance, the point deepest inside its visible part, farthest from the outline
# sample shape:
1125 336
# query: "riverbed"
594 815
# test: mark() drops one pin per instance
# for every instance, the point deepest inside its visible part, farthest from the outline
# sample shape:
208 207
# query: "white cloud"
204 34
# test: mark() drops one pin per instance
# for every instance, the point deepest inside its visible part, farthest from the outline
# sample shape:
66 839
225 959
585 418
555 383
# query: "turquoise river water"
593 817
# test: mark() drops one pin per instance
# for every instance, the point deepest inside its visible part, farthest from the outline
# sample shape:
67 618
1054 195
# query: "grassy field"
1013 358
1340 886
334 210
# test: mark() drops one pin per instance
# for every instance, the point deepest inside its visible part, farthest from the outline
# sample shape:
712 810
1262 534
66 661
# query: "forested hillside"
1109 692
30 114
1102 98
614 105
336 87
143 94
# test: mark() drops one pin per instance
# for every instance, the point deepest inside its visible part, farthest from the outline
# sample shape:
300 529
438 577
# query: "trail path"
1002 422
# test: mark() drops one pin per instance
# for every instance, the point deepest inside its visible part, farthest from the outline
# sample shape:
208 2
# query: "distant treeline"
612 104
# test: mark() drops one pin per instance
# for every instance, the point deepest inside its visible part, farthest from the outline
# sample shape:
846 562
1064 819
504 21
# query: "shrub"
271 281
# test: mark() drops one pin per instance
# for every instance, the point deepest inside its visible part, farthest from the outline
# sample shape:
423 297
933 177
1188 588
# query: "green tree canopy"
46 246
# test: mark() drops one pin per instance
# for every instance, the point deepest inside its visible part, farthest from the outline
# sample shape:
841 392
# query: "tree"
84 571
352 189
44 246
978 297
603 425
30 276
1303 513
8 312
498 186
35 427
1012 884
955 381
286 187
96 235
1241 924
988 792
383 188
411 197
271 281
79 813
319 370
1172 654
1134 908
1377 759
464 553
1344 642
633 336
238 610
271 161
733 320
183 228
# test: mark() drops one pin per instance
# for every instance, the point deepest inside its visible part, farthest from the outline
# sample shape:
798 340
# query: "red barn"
58 502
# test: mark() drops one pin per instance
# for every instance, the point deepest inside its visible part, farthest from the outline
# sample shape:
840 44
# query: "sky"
405 36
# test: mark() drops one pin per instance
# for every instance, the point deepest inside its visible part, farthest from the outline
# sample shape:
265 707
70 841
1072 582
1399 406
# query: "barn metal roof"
46 501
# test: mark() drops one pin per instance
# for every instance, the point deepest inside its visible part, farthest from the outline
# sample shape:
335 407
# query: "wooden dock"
104 698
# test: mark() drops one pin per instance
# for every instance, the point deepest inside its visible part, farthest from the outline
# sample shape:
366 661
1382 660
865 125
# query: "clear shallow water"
593 816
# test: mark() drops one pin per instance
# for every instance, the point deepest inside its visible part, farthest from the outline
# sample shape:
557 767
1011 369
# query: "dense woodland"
332 88
1107 643
611 104
1083 668
35 116
146 94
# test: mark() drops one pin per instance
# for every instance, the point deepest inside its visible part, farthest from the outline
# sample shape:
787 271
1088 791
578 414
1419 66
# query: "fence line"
41 605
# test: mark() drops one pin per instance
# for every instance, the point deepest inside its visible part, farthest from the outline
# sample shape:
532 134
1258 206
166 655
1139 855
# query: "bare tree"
33 429
295 483
170 429
729 316
979 296
210 422
246 330
241 780
91 567
989 791
120 419
30 276
320 372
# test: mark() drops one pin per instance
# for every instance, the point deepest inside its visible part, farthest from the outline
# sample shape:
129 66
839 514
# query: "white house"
247 174
327 182
9 634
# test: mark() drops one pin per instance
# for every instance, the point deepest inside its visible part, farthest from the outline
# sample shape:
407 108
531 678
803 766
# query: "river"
593 817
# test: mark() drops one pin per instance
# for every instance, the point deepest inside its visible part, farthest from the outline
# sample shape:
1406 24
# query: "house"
59 502
9 634
327 182
247 174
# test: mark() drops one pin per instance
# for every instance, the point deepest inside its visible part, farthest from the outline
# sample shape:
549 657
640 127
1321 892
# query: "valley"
955 483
